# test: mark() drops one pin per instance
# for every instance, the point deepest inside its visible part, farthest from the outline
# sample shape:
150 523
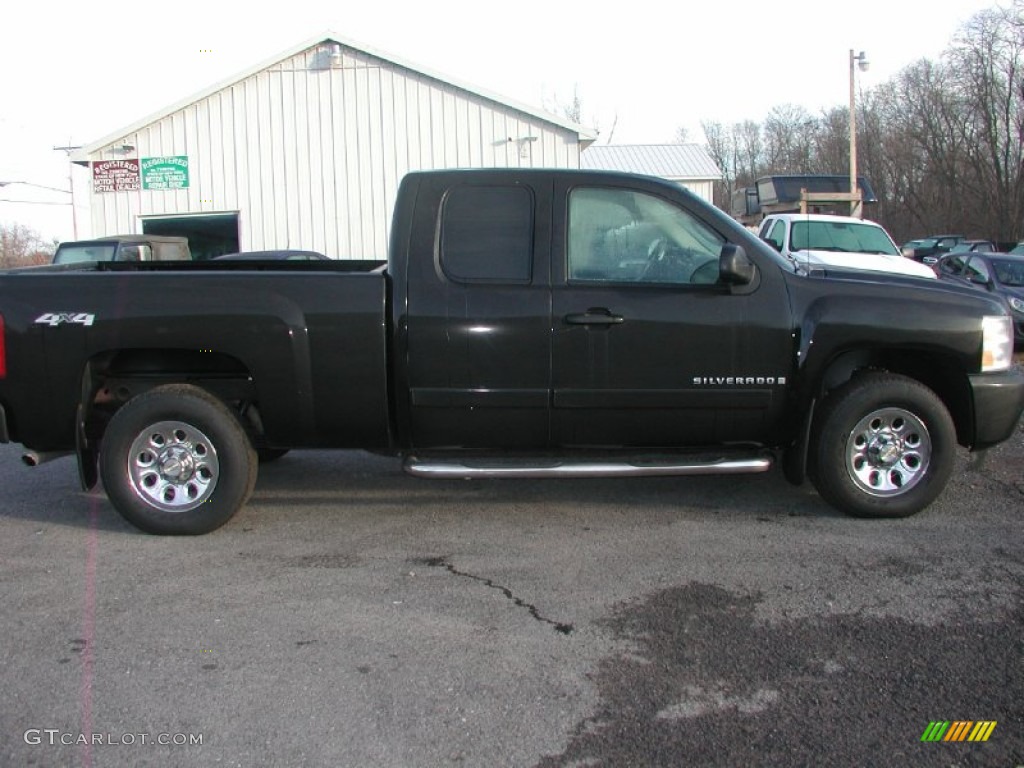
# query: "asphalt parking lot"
354 616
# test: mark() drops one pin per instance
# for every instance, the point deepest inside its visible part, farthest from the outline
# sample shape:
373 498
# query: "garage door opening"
208 235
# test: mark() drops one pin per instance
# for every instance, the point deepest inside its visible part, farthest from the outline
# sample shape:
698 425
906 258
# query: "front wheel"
884 446
176 460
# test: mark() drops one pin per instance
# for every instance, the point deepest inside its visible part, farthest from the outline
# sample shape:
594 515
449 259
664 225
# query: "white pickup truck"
818 241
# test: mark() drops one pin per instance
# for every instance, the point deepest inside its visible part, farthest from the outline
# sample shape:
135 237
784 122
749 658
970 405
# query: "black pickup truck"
527 323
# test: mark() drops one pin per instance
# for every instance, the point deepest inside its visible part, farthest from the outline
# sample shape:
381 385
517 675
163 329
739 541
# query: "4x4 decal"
54 319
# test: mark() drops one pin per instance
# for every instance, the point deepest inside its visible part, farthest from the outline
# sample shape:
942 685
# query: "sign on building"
165 172
115 175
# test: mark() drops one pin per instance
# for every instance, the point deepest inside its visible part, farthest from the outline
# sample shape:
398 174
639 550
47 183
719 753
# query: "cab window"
626 236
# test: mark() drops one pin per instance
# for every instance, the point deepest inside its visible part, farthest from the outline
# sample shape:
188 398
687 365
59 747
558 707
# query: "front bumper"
998 401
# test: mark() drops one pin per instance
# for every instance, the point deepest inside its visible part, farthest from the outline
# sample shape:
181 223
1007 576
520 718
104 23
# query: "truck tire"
883 446
175 460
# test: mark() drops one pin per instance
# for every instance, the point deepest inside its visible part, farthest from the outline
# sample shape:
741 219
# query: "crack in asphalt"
442 562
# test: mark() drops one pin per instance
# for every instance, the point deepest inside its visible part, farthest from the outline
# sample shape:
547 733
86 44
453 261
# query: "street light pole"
861 60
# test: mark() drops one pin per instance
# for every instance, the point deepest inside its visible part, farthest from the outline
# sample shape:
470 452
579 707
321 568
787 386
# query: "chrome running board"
465 468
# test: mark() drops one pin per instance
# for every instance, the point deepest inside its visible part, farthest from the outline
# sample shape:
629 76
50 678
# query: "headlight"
997 343
1017 304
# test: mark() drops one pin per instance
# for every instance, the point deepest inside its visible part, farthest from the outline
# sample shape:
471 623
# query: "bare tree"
573 110
987 62
786 131
942 141
721 146
21 246
750 161
831 142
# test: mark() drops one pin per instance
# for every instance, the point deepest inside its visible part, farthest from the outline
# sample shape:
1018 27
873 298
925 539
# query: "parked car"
819 241
930 247
283 255
998 273
1017 249
972 246
123 248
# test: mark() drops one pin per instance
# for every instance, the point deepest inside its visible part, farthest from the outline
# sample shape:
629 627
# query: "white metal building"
306 151
688 164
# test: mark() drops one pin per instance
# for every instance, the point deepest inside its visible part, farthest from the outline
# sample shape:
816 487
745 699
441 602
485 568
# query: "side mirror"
734 266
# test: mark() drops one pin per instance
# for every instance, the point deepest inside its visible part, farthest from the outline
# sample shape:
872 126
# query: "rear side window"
487 234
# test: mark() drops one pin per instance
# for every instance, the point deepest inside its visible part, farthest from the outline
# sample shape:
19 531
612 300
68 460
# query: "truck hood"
874 262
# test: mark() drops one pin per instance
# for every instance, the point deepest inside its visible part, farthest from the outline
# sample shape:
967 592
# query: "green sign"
165 172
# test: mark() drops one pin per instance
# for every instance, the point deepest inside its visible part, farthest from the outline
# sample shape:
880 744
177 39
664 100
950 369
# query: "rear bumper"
998 401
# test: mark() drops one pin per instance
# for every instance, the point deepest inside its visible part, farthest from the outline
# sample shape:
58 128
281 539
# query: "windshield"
849 237
1009 272
73 254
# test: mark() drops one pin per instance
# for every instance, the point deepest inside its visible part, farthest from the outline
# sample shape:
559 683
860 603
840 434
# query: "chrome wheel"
173 466
888 452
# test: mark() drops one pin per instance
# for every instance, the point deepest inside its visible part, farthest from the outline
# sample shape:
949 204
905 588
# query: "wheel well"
940 373
168 362
114 378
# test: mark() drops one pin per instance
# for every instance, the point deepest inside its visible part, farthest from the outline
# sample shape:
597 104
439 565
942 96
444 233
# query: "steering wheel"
657 259
667 262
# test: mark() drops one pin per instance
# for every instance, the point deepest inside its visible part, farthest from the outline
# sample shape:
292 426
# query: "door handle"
593 317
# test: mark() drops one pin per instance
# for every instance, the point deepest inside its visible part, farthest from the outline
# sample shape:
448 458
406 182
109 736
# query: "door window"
953 265
977 271
777 236
625 236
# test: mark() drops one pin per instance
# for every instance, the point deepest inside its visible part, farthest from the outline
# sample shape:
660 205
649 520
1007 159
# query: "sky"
76 72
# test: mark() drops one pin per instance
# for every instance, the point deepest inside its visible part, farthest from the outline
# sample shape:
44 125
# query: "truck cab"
569 309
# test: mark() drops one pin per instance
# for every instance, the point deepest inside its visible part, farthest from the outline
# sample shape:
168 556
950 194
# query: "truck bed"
305 341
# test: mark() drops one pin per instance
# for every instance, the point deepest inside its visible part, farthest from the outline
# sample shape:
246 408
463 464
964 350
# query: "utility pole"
71 184
860 61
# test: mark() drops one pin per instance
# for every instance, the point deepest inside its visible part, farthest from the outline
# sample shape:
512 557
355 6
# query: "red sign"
115 175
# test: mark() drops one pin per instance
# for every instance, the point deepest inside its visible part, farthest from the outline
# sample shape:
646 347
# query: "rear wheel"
176 460
884 446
